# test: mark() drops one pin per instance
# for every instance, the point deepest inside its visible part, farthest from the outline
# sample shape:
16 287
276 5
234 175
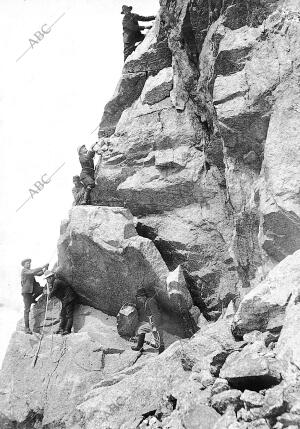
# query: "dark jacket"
87 163
147 308
27 279
131 29
62 291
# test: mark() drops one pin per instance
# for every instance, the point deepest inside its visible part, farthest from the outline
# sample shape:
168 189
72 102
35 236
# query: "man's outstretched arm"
36 271
145 18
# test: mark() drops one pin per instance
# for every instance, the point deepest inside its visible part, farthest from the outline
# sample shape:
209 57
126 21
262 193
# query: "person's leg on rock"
161 341
27 298
88 183
143 329
69 317
63 321
128 49
87 195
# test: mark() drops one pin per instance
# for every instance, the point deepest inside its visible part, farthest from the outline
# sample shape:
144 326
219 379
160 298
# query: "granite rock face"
264 307
106 261
66 368
204 145
197 195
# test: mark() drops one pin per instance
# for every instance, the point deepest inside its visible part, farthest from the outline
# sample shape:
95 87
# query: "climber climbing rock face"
64 292
149 318
31 289
87 175
132 30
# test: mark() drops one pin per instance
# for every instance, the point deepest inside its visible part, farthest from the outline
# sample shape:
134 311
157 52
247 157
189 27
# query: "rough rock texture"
140 393
201 148
288 346
106 261
263 308
66 368
204 142
255 367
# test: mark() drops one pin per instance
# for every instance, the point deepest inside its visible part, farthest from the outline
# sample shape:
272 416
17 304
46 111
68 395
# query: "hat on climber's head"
126 9
25 260
48 274
76 178
79 148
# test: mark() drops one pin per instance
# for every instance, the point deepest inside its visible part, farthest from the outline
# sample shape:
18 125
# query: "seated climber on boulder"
87 175
64 292
31 289
77 191
132 30
149 318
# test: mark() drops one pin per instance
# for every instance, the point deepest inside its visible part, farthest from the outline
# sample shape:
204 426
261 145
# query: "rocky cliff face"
203 144
198 195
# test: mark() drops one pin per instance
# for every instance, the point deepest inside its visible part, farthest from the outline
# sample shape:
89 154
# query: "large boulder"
255 368
263 308
102 256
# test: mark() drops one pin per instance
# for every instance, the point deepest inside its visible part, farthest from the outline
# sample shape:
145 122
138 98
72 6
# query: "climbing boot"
86 196
26 323
140 343
58 331
68 327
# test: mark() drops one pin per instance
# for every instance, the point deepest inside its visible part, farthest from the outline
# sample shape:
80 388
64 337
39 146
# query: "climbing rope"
43 328
45 318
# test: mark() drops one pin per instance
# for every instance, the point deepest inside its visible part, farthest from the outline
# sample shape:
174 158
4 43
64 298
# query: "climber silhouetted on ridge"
132 30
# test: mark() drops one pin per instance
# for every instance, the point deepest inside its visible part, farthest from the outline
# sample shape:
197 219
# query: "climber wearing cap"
63 291
132 30
87 175
31 289
77 191
149 318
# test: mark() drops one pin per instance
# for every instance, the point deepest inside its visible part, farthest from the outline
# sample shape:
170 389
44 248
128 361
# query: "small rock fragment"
220 385
222 400
252 399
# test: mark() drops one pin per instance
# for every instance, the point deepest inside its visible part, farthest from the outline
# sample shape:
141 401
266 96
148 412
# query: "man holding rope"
31 289
63 291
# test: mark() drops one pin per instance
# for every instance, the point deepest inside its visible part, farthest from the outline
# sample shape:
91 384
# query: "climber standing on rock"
31 289
87 175
132 30
149 318
64 292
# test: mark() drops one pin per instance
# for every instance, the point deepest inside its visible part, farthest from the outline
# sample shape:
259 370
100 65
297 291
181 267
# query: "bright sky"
51 100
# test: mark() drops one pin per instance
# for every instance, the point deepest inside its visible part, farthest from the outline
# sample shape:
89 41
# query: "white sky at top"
50 102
